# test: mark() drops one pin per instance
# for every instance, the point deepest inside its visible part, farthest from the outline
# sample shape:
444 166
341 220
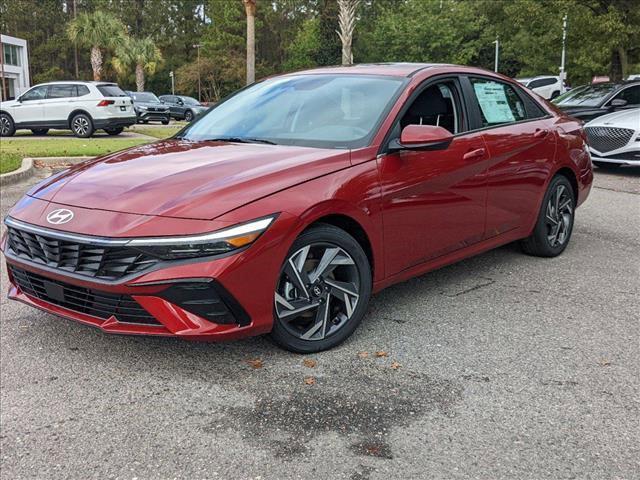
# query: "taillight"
106 103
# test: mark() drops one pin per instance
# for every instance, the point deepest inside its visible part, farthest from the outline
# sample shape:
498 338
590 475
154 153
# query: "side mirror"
19 99
618 102
422 137
180 102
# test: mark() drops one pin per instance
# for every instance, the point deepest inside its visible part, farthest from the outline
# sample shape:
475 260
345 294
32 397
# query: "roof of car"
399 69
82 82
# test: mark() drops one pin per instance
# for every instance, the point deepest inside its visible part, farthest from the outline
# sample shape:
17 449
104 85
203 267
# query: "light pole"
495 63
197 47
563 73
173 88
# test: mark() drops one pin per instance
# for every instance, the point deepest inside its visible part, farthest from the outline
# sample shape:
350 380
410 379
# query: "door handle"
470 155
539 133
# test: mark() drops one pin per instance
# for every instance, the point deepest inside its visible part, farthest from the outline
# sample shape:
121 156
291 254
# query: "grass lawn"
13 150
158 132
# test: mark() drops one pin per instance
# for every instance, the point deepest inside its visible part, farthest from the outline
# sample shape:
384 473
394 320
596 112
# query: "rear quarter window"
111 91
82 90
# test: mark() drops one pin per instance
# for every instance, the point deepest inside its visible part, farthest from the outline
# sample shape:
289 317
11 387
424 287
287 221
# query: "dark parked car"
149 108
592 101
183 108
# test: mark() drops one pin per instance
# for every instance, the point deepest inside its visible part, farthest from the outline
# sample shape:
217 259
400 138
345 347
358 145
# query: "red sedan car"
286 206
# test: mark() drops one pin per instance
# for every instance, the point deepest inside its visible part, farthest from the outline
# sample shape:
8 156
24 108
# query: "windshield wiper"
240 140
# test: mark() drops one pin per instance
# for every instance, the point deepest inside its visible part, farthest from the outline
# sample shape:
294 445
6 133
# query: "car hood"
622 119
151 104
183 179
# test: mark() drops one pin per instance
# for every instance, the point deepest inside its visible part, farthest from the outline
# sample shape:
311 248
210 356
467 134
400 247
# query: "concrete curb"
27 168
25 171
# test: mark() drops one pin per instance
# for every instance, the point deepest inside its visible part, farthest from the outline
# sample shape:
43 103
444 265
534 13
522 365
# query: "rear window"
111 91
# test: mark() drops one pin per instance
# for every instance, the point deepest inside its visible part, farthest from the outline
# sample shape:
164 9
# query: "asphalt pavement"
503 366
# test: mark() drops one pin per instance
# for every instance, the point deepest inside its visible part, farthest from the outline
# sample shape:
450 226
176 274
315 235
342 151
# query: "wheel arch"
76 112
570 175
353 228
7 113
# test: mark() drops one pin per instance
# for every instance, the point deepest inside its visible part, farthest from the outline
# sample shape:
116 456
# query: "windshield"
144 97
587 96
333 111
190 101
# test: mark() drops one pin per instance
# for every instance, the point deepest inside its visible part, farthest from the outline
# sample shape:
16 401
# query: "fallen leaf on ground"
395 365
363 354
310 380
309 363
257 363
382 354
605 362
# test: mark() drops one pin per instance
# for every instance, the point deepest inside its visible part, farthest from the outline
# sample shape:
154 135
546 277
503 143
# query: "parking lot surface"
501 366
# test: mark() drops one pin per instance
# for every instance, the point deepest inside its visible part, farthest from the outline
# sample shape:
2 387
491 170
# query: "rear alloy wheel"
114 131
39 131
7 128
323 291
188 116
555 221
82 126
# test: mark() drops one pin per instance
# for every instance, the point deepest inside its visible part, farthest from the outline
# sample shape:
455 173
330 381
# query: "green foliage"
99 29
133 52
603 36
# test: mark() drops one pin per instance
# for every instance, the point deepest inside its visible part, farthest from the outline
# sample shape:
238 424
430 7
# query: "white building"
14 67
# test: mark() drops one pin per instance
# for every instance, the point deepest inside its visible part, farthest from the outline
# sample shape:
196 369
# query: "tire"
188 116
554 95
607 165
554 226
323 319
39 131
165 122
7 127
82 125
114 131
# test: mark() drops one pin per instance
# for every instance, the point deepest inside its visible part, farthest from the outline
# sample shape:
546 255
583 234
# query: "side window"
61 91
82 90
436 105
499 103
36 93
543 82
631 95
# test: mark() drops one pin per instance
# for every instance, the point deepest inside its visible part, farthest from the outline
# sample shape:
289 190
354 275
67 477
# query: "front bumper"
242 284
147 116
629 157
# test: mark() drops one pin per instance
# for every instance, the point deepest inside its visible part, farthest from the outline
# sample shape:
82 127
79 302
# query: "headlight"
206 244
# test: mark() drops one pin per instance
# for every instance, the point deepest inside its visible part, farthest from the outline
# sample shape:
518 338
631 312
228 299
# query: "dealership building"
14 67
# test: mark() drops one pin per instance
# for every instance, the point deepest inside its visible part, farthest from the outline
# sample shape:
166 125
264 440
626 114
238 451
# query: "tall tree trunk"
347 23
96 62
250 9
140 77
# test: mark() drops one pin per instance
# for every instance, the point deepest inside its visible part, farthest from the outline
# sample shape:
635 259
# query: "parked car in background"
82 107
592 101
285 207
149 108
547 86
614 139
182 107
635 76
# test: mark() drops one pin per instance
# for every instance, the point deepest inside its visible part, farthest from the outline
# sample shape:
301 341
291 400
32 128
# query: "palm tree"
347 23
98 31
250 9
141 54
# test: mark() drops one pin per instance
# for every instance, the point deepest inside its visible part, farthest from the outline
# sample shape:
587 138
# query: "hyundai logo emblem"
59 216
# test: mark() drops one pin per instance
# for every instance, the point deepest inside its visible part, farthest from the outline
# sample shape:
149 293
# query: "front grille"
83 300
606 139
96 261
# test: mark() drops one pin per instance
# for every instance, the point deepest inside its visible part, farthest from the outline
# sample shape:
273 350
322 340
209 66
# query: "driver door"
30 109
434 201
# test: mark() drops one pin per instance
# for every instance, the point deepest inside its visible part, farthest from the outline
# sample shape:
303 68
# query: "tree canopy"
603 37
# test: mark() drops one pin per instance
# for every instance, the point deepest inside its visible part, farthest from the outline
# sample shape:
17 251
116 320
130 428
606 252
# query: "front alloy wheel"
322 292
7 127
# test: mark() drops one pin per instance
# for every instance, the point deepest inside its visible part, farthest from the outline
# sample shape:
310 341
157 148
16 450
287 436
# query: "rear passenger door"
521 144
59 103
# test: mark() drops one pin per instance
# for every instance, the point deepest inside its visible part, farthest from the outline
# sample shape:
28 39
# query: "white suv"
547 86
82 107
